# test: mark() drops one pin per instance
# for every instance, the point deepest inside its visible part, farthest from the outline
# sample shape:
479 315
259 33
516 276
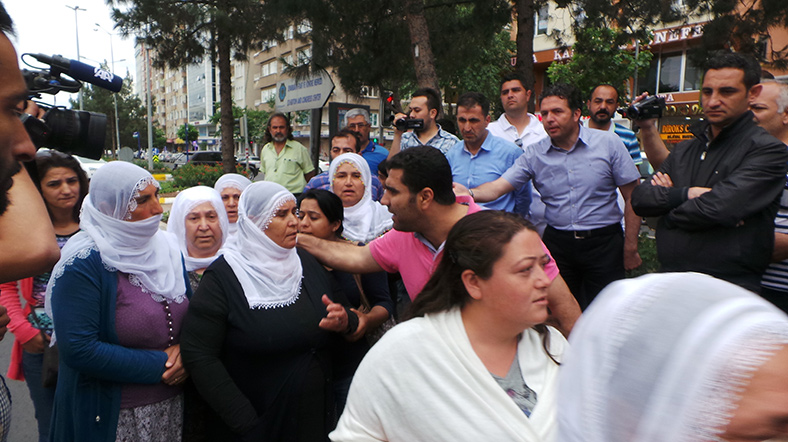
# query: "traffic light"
387 113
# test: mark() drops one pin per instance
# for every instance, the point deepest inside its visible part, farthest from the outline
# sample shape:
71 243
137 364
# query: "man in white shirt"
522 128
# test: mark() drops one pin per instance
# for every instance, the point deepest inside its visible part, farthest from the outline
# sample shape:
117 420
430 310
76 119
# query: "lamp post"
114 95
76 27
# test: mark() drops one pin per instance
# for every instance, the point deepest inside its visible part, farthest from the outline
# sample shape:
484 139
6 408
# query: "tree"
189 136
256 122
372 45
131 112
185 32
598 59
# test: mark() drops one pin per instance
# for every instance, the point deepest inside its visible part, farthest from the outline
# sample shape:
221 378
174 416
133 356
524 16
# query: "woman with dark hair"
63 185
321 215
475 363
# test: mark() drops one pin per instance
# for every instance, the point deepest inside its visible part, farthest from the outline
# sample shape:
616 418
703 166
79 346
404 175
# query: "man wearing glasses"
358 121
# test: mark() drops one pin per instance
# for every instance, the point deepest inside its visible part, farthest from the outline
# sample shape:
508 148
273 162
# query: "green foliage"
167 187
190 175
256 121
159 136
192 135
157 167
598 59
647 248
369 44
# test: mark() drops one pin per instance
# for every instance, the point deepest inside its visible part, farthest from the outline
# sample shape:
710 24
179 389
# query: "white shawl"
236 181
367 219
663 358
270 275
424 382
184 203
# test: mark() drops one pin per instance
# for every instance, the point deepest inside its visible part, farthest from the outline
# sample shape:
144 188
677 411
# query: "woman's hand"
36 344
336 319
363 322
175 373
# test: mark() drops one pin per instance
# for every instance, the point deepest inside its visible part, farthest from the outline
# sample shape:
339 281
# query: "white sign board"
311 92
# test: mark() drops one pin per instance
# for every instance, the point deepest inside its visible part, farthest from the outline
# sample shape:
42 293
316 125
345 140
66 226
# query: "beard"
7 173
601 117
279 138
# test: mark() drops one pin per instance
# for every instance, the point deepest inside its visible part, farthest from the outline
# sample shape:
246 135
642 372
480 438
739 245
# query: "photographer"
425 105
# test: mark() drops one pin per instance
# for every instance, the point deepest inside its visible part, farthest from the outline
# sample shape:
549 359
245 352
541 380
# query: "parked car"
210 157
254 164
88 165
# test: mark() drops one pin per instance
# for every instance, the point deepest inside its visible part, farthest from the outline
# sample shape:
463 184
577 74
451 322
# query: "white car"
88 165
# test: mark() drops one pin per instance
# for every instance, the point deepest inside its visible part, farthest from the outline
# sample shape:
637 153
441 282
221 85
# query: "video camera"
650 107
404 124
77 132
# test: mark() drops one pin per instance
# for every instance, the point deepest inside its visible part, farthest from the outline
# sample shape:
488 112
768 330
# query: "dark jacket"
727 232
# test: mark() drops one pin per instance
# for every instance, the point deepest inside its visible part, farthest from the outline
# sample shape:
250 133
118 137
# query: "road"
23 422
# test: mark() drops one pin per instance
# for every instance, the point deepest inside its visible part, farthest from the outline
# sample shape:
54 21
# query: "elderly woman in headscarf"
199 222
230 186
118 296
260 330
351 181
680 357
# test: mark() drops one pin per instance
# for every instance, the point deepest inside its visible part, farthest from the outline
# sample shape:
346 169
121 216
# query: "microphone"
81 71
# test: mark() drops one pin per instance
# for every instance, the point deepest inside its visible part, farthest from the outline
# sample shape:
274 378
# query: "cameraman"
425 104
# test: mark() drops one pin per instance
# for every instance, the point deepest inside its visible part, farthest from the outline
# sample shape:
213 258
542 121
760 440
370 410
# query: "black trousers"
588 261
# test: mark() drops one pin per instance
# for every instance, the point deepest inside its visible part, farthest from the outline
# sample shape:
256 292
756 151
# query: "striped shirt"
776 275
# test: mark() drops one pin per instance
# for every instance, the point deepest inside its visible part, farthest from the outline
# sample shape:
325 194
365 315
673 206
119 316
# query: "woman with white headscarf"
351 181
230 186
199 222
257 339
118 296
680 357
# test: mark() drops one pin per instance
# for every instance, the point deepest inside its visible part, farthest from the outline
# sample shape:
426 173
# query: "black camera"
650 107
404 124
76 132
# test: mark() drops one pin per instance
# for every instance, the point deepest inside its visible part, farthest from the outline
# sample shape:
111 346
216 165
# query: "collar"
429 245
582 139
485 144
530 128
702 129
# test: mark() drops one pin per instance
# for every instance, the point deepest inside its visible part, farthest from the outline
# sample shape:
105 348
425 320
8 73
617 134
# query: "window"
542 16
269 68
288 33
672 72
267 94
304 55
373 119
304 27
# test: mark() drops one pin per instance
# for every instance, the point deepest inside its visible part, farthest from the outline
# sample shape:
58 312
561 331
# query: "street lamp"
114 95
76 27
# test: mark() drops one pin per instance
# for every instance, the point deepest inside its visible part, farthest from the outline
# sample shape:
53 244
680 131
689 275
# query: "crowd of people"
442 289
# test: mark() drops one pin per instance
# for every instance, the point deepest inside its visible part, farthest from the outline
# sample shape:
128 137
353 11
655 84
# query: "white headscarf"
236 181
664 357
184 203
150 256
270 275
367 219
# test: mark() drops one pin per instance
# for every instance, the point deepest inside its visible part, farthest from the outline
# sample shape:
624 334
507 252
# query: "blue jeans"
43 398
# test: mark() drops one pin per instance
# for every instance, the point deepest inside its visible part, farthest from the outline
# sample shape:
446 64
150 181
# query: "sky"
48 27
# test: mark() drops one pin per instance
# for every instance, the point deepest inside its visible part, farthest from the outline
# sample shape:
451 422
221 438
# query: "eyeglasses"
518 142
355 126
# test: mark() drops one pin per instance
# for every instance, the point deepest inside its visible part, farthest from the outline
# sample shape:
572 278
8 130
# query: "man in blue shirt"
358 121
577 171
601 107
481 157
425 105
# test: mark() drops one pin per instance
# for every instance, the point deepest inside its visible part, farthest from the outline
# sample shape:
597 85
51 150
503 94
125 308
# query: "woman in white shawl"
260 330
230 186
679 357
351 181
476 366
118 296
199 222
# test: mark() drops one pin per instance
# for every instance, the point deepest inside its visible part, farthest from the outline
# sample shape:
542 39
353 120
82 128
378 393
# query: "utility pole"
76 27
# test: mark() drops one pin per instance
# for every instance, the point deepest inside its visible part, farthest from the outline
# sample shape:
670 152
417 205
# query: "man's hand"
398 116
695 192
648 124
459 189
632 259
661 179
36 344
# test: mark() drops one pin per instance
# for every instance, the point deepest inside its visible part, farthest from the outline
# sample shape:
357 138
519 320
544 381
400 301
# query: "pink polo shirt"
415 258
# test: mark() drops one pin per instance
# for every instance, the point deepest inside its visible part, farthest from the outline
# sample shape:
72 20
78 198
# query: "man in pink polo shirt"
418 193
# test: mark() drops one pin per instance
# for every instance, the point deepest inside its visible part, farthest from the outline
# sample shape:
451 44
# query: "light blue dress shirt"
578 186
494 157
